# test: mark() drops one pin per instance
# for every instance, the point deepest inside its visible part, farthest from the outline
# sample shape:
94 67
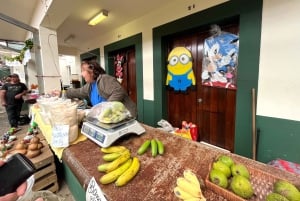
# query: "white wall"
279 70
65 62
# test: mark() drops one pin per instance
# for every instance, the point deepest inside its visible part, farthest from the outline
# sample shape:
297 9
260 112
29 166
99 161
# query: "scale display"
108 135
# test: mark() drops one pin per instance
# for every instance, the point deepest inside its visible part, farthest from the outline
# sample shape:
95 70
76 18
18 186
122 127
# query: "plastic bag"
109 112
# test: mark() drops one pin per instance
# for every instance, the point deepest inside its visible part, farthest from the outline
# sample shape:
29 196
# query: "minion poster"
180 72
219 65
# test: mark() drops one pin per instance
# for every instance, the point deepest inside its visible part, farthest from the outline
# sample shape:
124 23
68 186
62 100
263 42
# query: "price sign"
60 136
93 192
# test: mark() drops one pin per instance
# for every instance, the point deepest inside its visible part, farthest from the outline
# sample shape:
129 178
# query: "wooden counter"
157 176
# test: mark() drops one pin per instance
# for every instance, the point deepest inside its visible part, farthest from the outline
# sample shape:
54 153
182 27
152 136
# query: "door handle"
199 100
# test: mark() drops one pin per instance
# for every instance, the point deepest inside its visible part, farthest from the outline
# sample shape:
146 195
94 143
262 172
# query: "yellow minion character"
180 72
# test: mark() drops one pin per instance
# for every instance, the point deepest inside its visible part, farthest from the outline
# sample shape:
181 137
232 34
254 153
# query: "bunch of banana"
188 187
120 167
157 147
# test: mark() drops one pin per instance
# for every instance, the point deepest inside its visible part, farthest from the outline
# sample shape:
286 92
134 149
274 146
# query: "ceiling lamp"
98 18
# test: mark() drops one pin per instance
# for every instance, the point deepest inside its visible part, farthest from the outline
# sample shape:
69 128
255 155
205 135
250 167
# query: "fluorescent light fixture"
98 18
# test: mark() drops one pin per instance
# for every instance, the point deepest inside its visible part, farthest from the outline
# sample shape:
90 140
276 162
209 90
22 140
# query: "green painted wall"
135 41
249 13
278 138
76 189
91 54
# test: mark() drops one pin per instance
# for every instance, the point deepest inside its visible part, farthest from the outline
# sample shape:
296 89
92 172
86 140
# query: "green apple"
217 177
240 169
287 190
226 159
241 186
219 165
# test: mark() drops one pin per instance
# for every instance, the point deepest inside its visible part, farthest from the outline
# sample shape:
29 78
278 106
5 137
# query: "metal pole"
253 124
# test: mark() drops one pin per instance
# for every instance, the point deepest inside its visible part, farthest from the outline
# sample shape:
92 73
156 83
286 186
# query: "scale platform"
106 134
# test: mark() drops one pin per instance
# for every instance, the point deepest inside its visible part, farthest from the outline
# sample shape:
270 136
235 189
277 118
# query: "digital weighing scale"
106 134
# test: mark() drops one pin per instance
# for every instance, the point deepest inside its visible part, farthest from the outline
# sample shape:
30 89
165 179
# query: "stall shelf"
156 178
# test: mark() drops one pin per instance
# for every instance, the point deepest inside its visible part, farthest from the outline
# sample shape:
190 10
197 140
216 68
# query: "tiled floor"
63 191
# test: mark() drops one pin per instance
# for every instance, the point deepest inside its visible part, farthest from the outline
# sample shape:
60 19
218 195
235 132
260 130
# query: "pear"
219 165
218 177
240 169
287 190
275 197
241 186
227 160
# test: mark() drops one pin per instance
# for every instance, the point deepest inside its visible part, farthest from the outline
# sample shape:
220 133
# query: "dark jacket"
109 88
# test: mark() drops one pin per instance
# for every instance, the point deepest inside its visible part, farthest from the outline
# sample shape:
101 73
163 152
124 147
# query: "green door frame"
135 41
249 13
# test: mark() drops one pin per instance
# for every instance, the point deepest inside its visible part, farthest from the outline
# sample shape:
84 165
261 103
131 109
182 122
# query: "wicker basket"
262 184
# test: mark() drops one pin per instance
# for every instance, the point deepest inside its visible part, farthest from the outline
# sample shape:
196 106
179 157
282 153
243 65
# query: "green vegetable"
154 147
143 148
161 148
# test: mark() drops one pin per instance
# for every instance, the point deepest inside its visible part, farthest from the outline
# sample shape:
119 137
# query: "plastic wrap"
109 112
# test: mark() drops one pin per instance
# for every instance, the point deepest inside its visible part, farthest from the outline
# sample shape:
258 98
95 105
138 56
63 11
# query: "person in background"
11 95
101 87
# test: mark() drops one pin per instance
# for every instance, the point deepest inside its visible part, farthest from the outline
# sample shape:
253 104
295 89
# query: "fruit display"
284 191
112 112
120 166
188 187
156 145
232 176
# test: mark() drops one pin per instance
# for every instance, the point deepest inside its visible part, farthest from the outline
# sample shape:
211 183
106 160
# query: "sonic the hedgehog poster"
220 60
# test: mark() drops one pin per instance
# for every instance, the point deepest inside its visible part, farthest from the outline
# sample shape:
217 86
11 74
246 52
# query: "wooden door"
128 71
211 108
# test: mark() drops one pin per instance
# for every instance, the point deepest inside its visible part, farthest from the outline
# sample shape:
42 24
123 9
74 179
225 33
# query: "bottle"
194 132
63 94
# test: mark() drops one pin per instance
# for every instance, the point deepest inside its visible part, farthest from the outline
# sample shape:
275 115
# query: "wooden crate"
45 176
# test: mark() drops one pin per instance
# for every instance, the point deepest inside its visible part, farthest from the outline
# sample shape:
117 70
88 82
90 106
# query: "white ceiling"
71 17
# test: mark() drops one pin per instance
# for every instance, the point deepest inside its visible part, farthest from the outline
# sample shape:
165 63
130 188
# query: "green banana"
153 147
189 187
102 167
113 175
128 175
191 177
114 164
111 156
143 148
113 149
180 193
160 147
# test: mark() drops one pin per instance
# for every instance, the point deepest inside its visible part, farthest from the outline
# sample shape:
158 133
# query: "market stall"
156 177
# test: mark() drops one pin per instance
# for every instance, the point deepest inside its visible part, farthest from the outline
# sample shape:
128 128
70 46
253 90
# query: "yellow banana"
114 164
196 199
129 173
180 193
189 187
113 149
190 176
111 156
113 175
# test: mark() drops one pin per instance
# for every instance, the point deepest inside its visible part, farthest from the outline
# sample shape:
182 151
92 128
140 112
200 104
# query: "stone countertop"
157 175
